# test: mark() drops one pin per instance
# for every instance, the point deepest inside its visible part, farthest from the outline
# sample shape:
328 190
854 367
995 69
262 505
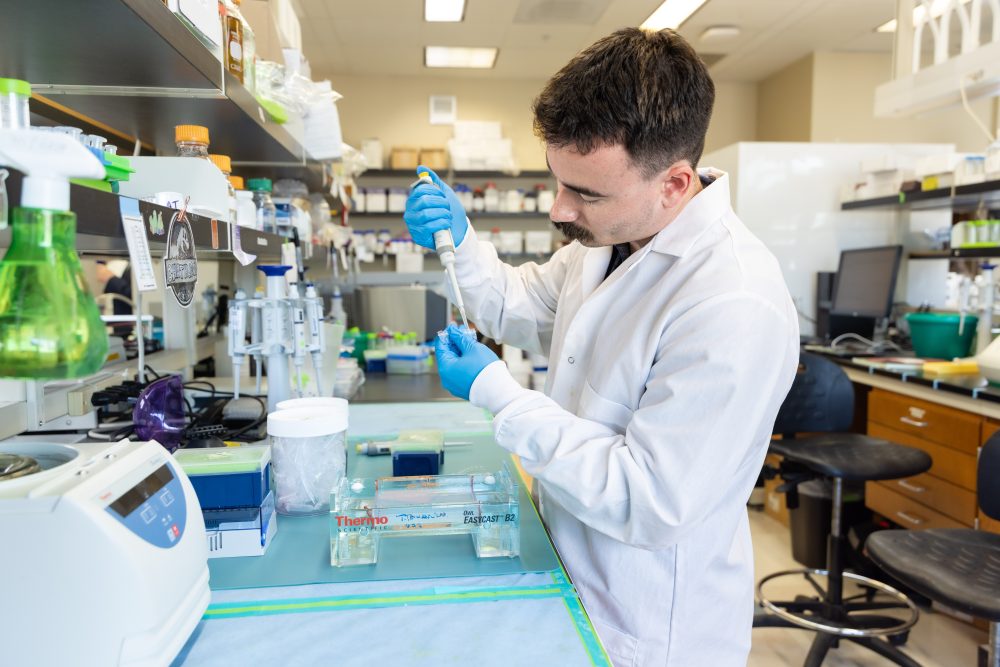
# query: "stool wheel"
846 628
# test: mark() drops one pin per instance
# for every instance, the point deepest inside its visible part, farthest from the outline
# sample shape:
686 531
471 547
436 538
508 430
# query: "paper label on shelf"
138 247
244 258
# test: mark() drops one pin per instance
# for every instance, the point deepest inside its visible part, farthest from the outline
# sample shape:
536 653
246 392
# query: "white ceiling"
537 37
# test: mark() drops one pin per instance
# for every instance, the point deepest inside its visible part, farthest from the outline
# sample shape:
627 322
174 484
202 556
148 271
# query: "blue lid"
274 269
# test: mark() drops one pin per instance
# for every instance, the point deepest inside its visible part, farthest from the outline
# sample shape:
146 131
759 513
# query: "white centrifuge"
103 558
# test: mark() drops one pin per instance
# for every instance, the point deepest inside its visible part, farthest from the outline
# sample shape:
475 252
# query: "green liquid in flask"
50 326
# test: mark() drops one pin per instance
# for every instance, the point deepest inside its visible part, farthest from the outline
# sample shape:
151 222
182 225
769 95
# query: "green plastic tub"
935 335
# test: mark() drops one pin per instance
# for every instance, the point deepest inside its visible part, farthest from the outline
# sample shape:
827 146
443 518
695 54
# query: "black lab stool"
959 567
822 400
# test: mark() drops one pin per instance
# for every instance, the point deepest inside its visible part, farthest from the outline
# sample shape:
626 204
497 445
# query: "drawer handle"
909 518
910 487
913 422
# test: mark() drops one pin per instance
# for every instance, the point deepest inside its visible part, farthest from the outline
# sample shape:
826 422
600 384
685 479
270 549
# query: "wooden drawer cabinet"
986 523
935 423
949 464
905 511
948 499
989 428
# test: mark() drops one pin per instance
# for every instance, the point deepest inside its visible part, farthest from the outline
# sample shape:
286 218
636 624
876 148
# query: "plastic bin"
809 523
935 335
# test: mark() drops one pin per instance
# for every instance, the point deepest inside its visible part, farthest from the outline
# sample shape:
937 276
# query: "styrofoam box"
376 200
372 150
992 165
942 163
477 129
485 154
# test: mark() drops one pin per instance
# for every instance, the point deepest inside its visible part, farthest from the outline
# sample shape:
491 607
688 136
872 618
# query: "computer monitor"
864 289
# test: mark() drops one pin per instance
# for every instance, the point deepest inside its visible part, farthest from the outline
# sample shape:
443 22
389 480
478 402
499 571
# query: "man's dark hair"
648 91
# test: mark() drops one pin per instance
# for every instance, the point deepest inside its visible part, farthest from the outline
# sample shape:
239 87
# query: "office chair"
822 400
959 567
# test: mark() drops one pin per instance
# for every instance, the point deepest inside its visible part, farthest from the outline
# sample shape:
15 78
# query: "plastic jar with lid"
267 212
491 198
191 140
225 165
14 95
308 456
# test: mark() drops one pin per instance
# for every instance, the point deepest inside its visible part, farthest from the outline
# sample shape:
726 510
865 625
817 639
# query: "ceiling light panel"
672 14
444 11
449 56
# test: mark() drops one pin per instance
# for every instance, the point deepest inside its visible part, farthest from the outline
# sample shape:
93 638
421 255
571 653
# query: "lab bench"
428 601
383 388
947 416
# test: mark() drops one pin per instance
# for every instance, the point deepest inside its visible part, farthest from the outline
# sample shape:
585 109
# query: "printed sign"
180 263
138 247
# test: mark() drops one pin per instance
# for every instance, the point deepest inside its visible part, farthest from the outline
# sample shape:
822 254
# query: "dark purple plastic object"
159 412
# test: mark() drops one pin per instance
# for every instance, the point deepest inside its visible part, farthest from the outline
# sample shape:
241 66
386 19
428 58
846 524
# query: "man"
671 339
122 286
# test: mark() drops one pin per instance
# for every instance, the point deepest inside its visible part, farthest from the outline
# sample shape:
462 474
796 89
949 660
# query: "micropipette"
444 244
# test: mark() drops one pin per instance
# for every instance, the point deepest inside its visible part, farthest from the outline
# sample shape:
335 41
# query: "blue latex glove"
460 359
430 209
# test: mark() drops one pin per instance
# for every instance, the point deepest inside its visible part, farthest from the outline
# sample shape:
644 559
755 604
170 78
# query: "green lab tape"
426 597
588 635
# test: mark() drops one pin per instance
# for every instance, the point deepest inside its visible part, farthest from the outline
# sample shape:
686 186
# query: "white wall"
843 100
395 109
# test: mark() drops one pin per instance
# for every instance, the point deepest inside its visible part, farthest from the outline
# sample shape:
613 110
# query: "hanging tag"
243 257
138 246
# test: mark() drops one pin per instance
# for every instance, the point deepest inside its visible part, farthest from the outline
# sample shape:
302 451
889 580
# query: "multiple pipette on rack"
281 323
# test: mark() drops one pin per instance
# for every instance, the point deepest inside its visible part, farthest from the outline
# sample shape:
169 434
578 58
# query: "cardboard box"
265 29
774 502
434 158
403 158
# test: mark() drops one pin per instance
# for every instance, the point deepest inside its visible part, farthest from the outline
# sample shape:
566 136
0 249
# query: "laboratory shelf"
961 196
107 43
976 253
99 228
151 75
472 214
930 254
411 173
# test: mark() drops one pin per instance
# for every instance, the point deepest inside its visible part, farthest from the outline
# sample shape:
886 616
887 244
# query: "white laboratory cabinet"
788 194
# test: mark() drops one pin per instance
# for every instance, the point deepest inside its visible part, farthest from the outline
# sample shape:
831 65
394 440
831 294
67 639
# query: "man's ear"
675 182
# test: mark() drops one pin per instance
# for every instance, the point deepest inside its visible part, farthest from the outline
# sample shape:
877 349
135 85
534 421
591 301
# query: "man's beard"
574 232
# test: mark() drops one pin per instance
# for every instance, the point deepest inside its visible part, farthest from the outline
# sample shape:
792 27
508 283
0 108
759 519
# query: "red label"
346 521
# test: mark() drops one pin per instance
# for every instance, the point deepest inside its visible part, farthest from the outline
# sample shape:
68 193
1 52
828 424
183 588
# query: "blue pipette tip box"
228 477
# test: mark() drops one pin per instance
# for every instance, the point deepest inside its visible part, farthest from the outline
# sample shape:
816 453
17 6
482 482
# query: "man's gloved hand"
460 359
431 209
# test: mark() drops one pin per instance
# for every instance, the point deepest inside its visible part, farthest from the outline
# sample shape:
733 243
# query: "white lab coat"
664 381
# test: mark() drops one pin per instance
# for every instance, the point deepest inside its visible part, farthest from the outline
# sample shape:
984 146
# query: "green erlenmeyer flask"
50 326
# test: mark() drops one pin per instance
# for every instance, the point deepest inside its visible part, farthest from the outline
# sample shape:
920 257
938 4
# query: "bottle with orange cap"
192 141
225 165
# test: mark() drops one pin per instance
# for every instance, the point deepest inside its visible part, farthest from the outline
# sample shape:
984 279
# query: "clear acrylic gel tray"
365 511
